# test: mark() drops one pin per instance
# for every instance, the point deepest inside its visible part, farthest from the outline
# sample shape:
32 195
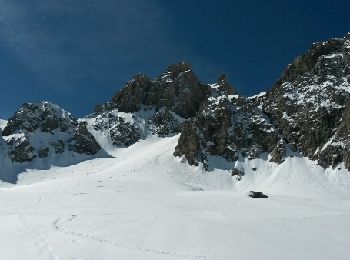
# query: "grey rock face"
22 151
157 107
164 123
58 146
189 143
125 129
279 152
122 133
229 126
83 141
177 89
222 87
307 110
43 116
308 102
44 152
338 148
36 129
137 92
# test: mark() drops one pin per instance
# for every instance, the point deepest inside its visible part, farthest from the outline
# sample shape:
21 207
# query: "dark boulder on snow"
237 172
257 194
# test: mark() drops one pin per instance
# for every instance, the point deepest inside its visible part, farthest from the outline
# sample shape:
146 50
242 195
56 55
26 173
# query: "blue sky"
78 53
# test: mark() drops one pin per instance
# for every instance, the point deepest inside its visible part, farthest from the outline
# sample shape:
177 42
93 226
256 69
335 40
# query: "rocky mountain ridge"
40 135
306 113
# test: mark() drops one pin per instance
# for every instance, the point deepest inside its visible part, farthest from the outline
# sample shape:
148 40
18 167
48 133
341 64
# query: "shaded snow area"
146 204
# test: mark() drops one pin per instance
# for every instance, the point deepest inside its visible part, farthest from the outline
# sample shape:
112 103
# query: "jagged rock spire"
177 89
224 83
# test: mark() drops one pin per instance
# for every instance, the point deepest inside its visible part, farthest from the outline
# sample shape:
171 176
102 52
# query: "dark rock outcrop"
36 129
153 107
43 116
165 122
257 195
44 152
178 89
307 111
83 141
121 132
307 104
22 151
279 152
228 126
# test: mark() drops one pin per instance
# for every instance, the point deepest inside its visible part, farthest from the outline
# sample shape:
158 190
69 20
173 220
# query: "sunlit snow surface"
3 123
145 204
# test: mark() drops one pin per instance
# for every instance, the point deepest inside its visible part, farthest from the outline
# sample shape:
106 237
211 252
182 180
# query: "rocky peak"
222 87
151 107
307 103
307 111
134 94
177 89
44 116
321 51
176 70
43 130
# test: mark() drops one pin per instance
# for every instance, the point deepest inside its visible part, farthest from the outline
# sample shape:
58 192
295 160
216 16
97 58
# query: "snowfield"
144 204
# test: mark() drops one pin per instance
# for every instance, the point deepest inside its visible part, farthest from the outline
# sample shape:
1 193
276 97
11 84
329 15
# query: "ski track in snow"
35 237
59 227
146 204
39 241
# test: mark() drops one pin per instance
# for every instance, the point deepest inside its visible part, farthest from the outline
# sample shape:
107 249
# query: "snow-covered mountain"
40 135
162 171
306 114
310 103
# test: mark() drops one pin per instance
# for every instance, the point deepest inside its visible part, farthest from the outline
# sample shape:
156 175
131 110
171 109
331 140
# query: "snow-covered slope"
134 200
145 204
3 123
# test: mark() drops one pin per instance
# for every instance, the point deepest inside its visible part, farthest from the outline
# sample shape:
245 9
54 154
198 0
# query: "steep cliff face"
308 102
146 107
306 111
178 89
229 126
